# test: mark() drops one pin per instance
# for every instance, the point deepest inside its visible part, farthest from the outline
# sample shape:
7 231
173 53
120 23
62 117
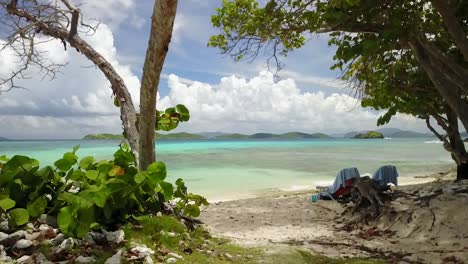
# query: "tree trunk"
462 172
127 110
443 85
454 28
162 23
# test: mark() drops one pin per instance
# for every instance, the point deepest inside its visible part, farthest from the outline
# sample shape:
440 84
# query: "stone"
158 214
18 235
141 252
116 258
3 236
23 243
115 237
174 255
171 260
83 259
30 227
171 234
44 227
69 243
4 226
227 255
42 259
33 236
98 238
24 259
148 260
57 240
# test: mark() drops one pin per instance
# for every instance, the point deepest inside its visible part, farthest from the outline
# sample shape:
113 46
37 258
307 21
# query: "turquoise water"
237 169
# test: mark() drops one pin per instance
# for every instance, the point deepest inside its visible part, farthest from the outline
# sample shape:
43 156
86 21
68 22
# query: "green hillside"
181 135
369 135
289 135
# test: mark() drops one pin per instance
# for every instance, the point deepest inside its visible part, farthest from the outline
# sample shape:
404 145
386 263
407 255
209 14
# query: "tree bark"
462 172
127 110
162 24
443 85
454 28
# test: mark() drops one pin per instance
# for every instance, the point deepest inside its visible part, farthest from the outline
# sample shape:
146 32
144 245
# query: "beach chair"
341 187
384 176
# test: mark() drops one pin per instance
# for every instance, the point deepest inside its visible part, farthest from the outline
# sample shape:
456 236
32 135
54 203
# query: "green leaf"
92 174
64 164
167 190
37 207
192 210
116 102
141 176
7 203
86 161
19 216
75 149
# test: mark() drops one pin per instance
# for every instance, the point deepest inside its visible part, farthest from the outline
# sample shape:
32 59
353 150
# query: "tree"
435 36
25 23
396 84
403 56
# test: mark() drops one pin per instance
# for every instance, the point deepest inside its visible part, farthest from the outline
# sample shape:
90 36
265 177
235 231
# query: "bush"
86 194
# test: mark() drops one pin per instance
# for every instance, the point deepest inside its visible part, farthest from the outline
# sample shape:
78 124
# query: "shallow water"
238 169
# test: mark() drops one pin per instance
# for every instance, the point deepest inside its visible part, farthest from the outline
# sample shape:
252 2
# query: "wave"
387 138
433 142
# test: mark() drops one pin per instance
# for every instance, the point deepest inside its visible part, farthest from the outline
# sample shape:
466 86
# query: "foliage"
86 193
369 135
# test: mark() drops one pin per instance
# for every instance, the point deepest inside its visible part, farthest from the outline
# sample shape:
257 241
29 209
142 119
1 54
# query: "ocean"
224 170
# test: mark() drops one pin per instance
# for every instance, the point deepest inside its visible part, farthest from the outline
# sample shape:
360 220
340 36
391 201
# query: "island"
289 135
4 139
369 135
173 136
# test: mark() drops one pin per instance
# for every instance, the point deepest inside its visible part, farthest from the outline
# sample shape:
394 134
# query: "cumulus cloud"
261 104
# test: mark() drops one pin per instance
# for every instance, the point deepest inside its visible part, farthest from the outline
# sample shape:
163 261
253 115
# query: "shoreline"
312 189
422 233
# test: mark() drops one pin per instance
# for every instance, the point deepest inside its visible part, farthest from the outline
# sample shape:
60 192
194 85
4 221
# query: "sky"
222 95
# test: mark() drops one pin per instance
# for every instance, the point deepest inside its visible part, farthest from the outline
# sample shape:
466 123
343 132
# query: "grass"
166 234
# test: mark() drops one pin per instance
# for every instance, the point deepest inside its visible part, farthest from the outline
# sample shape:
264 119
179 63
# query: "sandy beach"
425 223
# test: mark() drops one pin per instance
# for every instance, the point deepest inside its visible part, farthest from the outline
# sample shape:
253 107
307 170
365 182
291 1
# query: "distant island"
188 136
4 139
159 136
392 133
369 135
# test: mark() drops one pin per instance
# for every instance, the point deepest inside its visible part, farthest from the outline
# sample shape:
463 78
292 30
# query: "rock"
82 259
30 227
24 259
18 235
171 234
33 236
116 237
174 255
44 227
227 255
23 243
98 238
171 260
159 214
4 226
148 260
69 243
3 236
57 240
115 259
141 252
42 259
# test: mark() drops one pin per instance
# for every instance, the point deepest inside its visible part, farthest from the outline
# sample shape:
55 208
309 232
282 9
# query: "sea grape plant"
85 194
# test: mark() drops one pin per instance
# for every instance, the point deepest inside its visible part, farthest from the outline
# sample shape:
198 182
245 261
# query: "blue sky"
222 95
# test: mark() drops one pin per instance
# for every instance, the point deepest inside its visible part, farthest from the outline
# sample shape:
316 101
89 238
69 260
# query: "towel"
385 175
342 177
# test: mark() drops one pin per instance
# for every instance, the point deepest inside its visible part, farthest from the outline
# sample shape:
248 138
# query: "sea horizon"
235 169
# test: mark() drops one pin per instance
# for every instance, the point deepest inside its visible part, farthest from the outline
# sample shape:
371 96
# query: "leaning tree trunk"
445 86
162 24
127 110
454 28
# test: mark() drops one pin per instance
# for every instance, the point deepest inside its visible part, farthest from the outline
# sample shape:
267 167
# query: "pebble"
148 260
30 227
174 255
171 234
23 243
4 226
159 214
23 259
227 255
171 260
44 227
142 252
57 240
116 237
3 236
82 259
18 235
33 236
69 243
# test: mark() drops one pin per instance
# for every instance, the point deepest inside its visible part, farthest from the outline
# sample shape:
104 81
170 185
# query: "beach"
431 232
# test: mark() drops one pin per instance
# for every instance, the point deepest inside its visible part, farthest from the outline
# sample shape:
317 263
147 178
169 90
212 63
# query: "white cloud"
261 104
110 12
